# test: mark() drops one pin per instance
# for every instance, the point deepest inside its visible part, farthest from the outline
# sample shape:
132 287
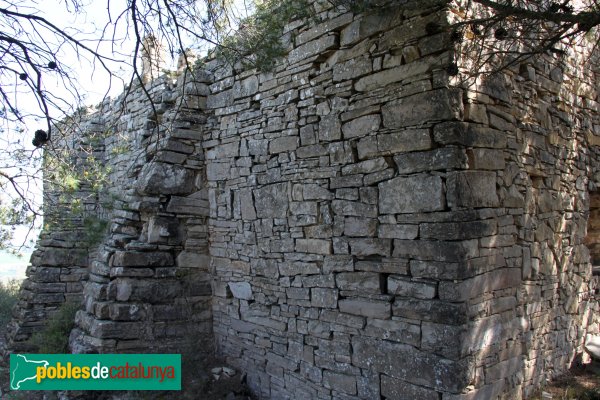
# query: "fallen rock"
592 346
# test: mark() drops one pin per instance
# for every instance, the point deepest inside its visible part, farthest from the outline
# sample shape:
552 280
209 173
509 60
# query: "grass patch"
54 338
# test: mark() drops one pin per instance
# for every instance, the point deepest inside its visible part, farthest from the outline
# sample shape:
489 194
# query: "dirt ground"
580 383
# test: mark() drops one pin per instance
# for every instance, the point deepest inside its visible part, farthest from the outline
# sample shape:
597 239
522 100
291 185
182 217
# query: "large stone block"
396 331
160 178
436 250
354 208
337 263
219 100
455 270
396 389
282 144
365 167
398 231
359 282
469 134
436 105
485 283
359 227
361 126
458 230
368 26
313 191
317 246
323 297
366 308
191 205
411 194
352 68
391 75
142 259
370 247
224 151
241 290
328 25
271 201
445 340
438 159
64 257
246 87
147 291
125 312
217 171
246 204
312 48
406 288
111 329
431 310
472 189
406 140
339 382
330 128
404 362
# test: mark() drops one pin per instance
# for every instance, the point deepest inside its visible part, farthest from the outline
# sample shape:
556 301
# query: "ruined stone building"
355 224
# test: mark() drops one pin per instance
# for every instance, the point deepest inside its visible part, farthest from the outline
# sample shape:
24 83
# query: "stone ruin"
355 224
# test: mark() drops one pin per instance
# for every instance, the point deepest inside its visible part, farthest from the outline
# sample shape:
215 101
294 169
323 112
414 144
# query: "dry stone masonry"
354 224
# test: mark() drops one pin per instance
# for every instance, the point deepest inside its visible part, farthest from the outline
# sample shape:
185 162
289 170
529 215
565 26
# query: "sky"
94 83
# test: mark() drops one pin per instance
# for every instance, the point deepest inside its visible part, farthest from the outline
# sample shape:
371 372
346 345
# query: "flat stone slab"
592 346
241 290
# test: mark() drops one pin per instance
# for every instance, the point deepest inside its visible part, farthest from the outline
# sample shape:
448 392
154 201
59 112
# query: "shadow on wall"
529 329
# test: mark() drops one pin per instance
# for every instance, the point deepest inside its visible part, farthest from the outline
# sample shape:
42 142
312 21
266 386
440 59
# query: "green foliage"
590 394
359 6
9 294
258 40
94 230
76 179
13 211
54 338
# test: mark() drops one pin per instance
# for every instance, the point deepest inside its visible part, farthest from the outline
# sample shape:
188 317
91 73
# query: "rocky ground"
580 383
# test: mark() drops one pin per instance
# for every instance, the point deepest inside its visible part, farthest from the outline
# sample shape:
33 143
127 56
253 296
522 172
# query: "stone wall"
400 233
371 226
149 287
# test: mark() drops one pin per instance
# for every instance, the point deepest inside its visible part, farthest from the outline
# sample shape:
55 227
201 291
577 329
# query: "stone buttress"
149 287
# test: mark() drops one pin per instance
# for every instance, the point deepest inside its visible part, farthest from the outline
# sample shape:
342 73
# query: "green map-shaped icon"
23 369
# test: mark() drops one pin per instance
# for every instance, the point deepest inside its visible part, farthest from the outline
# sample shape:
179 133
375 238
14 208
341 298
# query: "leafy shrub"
591 394
54 338
9 294
258 40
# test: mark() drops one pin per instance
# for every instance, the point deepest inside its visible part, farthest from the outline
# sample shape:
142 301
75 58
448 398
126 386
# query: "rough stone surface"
272 201
411 194
241 290
353 224
472 189
161 178
431 106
